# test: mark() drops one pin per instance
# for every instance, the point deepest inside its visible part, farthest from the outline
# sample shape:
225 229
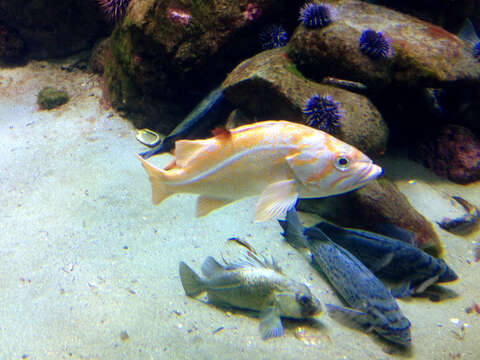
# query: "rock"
424 54
49 98
12 46
54 28
445 13
165 56
269 86
379 202
454 153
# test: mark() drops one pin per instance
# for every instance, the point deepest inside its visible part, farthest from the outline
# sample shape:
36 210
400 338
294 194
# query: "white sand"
74 197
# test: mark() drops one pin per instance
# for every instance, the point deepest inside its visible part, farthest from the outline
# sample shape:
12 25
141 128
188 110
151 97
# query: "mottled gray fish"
254 284
372 305
391 259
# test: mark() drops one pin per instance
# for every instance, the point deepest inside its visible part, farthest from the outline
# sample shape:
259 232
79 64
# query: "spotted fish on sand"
254 284
372 306
279 160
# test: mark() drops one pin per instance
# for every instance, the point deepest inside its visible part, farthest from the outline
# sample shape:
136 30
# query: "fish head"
331 167
298 302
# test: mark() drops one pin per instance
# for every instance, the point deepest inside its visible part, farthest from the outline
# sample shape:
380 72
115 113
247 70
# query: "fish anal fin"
276 200
160 191
206 204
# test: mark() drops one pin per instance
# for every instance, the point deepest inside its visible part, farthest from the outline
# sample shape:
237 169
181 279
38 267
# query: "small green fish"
253 284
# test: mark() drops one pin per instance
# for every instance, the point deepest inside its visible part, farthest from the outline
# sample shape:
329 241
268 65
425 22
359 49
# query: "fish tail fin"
191 282
157 177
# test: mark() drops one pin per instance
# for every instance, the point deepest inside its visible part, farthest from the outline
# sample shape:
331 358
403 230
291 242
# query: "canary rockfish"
279 160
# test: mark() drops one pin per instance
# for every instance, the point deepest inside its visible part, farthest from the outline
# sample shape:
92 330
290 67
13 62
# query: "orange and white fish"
279 160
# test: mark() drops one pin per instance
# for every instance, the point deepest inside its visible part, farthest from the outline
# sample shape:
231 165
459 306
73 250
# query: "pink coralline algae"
453 154
252 11
180 17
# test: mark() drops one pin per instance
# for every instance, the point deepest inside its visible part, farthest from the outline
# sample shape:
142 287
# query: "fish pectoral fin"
270 323
401 290
206 204
381 262
349 317
425 284
276 200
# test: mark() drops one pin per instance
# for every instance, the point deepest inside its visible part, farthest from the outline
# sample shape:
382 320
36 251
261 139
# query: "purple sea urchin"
314 15
114 9
322 112
375 44
476 51
273 36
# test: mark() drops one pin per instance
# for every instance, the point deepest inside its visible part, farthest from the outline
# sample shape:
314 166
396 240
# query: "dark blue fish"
372 305
210 112
391 259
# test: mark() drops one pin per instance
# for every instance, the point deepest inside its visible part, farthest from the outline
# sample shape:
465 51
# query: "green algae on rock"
281 92
164 56
50 98
424 54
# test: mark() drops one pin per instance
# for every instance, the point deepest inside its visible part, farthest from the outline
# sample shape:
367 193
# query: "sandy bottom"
89 268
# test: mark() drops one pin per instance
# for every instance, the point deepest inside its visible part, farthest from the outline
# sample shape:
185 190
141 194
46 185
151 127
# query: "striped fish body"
390 258
279 160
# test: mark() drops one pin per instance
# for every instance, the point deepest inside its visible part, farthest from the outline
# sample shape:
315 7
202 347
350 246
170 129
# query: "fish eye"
342 162
304 299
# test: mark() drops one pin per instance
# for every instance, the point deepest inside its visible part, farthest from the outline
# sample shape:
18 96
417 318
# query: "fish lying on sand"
253 284
390 258
372 305
464 224
279 160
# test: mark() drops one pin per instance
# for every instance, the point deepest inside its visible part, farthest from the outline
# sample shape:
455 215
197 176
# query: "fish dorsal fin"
211 267
206 204
467 32
222 133
276 200
185 150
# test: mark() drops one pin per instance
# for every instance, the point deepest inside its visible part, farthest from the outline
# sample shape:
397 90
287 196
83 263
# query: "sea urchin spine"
375 44
314 15
322 112
114 9
273 36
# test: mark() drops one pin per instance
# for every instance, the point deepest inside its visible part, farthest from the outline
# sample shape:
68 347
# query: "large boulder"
164 56
269 86
452 153
378 203
53 28
423 54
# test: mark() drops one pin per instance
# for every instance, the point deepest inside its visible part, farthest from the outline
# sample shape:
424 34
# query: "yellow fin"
276 200
186 150
157 177
206 204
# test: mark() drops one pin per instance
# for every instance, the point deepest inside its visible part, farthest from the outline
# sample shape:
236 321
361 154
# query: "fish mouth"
371 172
